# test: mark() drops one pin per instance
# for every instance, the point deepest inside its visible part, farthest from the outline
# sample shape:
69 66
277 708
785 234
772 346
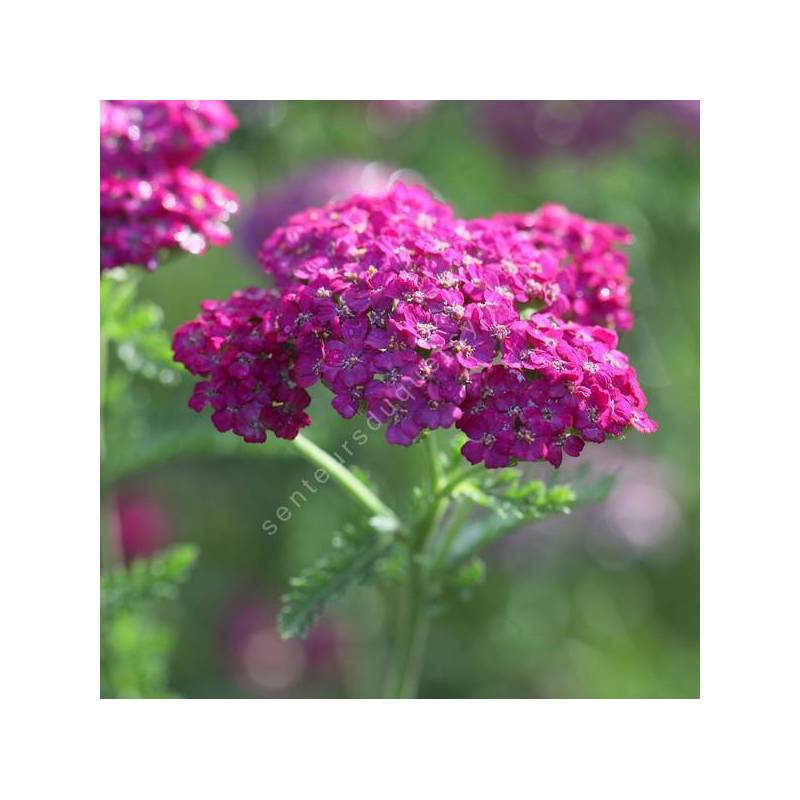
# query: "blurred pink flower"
142 524
641 514
176 209
150 201
141 137
264 663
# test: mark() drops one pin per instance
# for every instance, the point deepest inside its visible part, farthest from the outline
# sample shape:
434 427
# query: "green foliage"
392 570
512 502
136 328
145 347
353 559
137 453
135 641
136 649
511 497
470 575
146 580
466 578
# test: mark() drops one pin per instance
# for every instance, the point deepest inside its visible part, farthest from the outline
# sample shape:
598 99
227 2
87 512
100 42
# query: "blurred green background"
604 603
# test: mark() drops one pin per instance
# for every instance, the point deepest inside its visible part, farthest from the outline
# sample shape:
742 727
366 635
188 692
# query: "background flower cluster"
150 198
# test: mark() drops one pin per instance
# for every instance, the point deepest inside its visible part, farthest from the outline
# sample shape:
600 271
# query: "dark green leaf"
353 559
512 503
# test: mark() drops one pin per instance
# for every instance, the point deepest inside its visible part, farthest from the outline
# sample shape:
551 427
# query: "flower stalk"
407 659
408 656
361 493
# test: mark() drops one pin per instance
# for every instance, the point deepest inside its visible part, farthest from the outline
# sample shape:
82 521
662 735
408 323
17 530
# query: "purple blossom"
149 198
249 394
177 209
426 321
142 137
591 269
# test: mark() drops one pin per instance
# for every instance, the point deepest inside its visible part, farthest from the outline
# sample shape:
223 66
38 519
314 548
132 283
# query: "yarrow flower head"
593 269
422 321
145 136
149 198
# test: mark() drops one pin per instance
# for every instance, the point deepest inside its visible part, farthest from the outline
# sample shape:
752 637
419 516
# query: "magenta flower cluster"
593 270
150 199
425 321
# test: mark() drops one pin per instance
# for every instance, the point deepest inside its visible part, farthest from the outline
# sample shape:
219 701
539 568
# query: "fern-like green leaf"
520 504
513 502
353 559
143 346
156 578
136 328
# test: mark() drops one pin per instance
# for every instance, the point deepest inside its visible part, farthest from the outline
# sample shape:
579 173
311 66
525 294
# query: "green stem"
104 355
434 463
454 482
459 516
108 555
353 486
414 630
411 643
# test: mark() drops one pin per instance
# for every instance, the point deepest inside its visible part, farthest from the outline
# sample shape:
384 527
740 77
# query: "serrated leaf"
145 580
142 344
513 503
512 497
136 328
135 640
458 584
353 559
